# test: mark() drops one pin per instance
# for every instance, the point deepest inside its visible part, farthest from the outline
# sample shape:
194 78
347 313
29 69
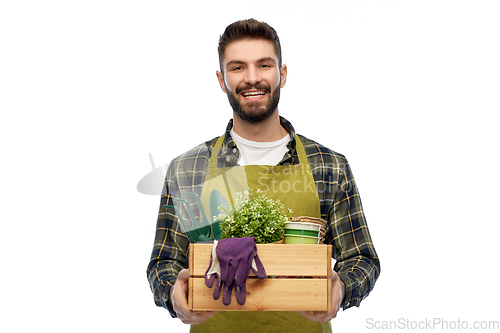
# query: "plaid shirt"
357 263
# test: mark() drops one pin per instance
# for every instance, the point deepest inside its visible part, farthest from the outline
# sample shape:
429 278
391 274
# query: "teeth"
253 94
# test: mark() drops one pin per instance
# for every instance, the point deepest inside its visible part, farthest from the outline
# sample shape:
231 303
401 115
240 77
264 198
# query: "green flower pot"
299 239
302 226
311 233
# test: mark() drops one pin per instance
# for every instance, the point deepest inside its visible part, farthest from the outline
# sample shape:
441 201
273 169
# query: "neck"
267 130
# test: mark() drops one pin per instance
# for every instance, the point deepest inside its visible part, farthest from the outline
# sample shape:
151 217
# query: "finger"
318 316
179 302
241 294
334 276
311 315
226 297
179 292
241 274
195 317
218 287
224 267
231 272
209 277
183 274
209 282
188 316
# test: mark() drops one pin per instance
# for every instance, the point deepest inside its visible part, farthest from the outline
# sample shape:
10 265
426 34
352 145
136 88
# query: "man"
252 74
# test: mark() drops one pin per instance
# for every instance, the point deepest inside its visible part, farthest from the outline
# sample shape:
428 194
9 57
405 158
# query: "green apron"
294 186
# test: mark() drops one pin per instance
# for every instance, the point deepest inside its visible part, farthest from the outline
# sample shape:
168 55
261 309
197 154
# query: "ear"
283 74
220 78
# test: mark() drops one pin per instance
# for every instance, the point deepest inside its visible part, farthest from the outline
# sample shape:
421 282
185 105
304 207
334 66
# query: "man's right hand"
178 296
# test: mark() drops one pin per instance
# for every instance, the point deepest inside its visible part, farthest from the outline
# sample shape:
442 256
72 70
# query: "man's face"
252 78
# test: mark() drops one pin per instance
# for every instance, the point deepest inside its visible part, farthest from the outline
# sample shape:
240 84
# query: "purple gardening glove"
231 261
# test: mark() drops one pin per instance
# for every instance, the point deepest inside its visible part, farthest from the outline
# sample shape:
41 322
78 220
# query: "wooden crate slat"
278 259
293 294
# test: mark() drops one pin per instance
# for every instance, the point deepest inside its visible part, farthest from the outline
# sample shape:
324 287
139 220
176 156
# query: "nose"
252 76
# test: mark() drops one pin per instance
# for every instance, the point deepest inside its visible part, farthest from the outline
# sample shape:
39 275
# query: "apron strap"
217 146
301 152
215 151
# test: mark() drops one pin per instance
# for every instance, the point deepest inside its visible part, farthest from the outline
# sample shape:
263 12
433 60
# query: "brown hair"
251 29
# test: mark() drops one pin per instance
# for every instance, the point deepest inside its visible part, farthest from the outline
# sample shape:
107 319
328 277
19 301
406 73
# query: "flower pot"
300 239
302 226
311 233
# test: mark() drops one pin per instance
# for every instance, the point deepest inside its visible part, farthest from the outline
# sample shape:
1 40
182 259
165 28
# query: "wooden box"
306 286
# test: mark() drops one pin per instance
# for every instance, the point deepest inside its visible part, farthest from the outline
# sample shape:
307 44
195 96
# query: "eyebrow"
239 62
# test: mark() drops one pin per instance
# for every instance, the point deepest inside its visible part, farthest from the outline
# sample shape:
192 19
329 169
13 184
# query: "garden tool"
215 200
197 231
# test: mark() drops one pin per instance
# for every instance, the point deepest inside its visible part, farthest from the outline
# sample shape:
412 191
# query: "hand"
338 292
178 296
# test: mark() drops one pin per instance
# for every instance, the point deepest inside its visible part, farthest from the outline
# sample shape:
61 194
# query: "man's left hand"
338 292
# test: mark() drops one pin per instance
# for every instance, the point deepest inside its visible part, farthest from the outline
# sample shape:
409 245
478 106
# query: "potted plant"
254 215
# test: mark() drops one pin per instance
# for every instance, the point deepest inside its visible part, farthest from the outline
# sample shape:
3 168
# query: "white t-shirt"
260 153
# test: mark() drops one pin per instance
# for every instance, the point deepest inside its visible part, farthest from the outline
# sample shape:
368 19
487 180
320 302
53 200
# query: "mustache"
248 86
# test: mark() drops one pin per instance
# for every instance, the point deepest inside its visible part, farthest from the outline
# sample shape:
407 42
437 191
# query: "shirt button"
228 159
235 150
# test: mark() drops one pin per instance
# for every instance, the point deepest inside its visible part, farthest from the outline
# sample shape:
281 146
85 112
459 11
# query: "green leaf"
254 215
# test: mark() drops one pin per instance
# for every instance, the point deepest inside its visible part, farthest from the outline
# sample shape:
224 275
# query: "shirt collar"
229 152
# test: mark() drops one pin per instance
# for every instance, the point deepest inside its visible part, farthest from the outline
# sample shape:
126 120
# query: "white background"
407 90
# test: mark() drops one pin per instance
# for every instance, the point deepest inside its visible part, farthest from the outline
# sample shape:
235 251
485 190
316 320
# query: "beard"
254 111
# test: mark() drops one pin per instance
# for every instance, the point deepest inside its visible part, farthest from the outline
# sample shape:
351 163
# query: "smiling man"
252 74
252 79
